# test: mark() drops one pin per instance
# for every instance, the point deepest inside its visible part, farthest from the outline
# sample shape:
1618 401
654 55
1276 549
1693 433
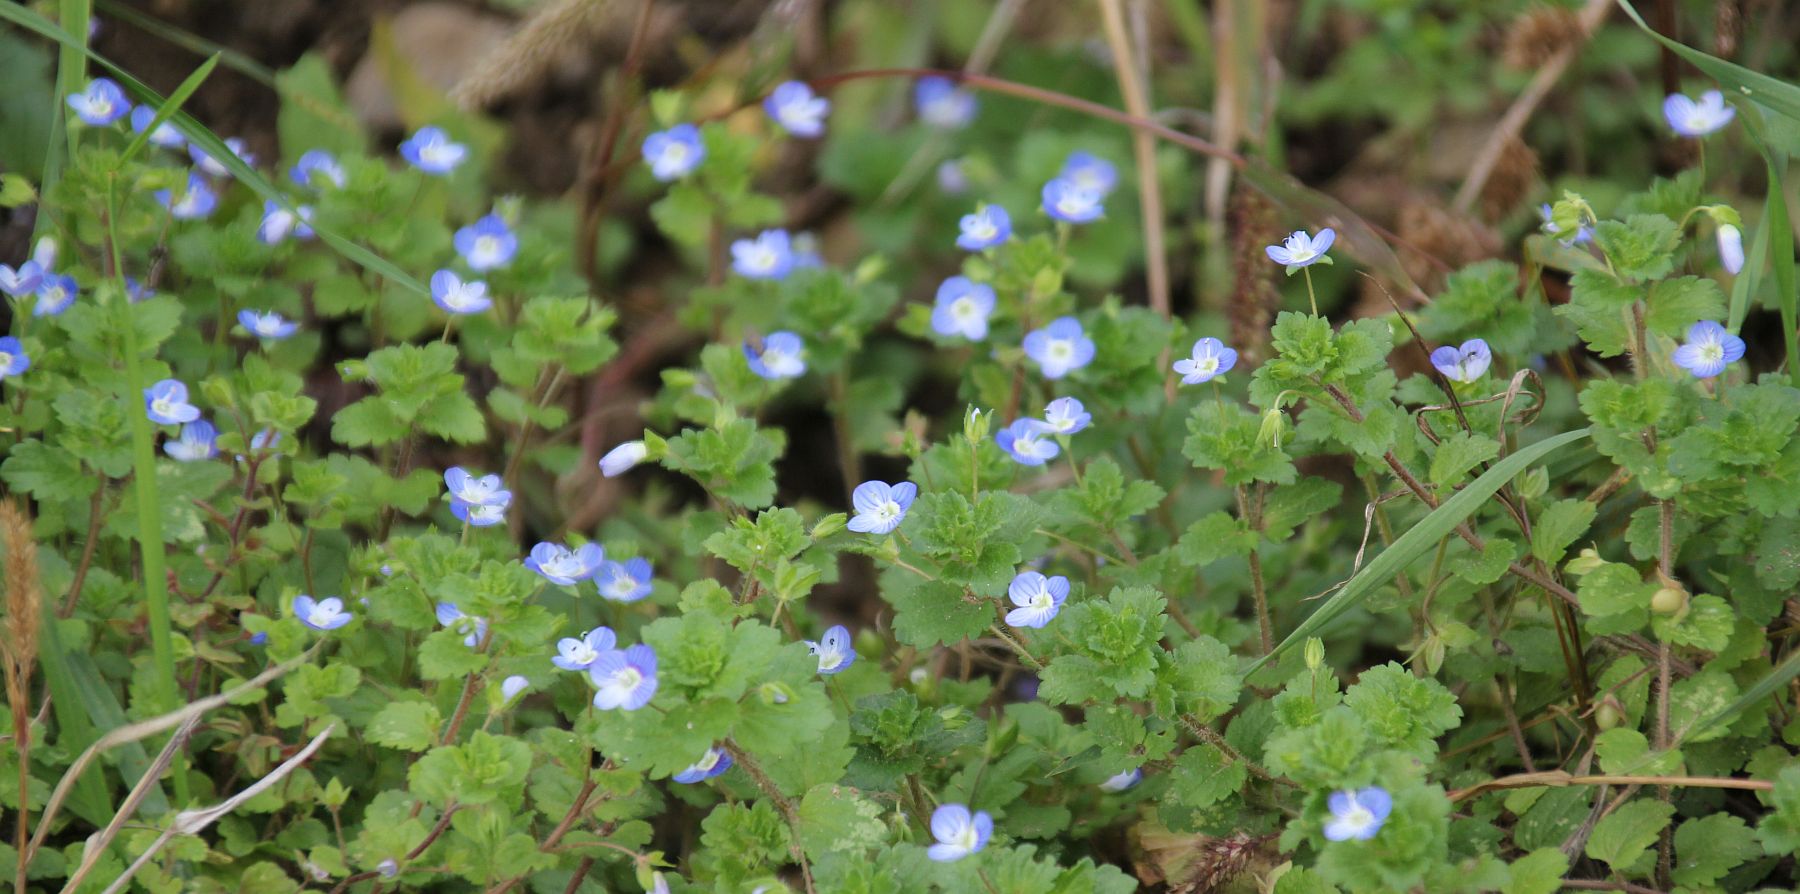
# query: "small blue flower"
1060 347
1709 348
44 253
714 762
486 243
268 437
782 356
269 325
315 165
136 291
1028 442
942 104
958 832
834 650
579 654
623 458
1089 172
989 226
805 248
22 281
197 200
1731 248
769 256
674 153
880 507
512 686
12 357
473 627
431 151
54 295
1582 235
1128 779
213 166
1357 814
1697 119
963 307
1066 416
165 134
625 679
1070 202
166 403
1038 598
458 296
479 490
951 178
1211 359
198 441
478 515
259 638
1463 364
100 104
321 614
626 581
797 110
1300 250
563 566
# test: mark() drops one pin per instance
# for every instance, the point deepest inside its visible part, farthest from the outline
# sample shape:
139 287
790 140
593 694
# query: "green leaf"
1204 776
1779 830
1459 453
1708 847
1539 872
1677 303
407 725
1403 711
1624 835
46 472
484 770
840 819
442 656
1557 526
1642 247
1215 536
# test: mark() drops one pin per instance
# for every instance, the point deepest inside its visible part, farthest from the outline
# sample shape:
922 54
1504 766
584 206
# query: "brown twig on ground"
1558 778
597 180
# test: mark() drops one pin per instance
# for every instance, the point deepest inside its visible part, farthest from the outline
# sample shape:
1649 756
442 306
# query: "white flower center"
829 657
888 511
162 406
763 259
707 761
966 839
1061 349
1358 818
1712 352
1298 251
627 679
964 309
582 653
1042 600
487 245
322 615
983 229
676 153
1206 365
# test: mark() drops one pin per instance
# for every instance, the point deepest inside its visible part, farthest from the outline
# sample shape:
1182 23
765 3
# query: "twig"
782 803
1559 779
598 179
87 549
1143 146
95 848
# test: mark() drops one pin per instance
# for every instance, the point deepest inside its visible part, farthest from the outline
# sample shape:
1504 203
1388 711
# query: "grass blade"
1778 95
1743 290
1763 688
170 106
1781 234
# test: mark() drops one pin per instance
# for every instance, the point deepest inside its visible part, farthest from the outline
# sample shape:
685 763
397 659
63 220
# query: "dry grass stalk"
1254 298
1538 35
1514 175
527 56
18 650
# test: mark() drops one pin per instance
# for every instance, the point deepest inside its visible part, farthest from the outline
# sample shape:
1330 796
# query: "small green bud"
1723 215
1588 561
1315 653
1669 601
976 424
655 448
829 525
1274 425
775 693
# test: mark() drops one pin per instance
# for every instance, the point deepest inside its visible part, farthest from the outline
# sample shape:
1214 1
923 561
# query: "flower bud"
1669 600
1315 653
976 424
1589 560
1608 714
1274 424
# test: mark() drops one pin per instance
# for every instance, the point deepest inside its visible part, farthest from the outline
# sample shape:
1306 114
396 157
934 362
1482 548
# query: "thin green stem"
1311 297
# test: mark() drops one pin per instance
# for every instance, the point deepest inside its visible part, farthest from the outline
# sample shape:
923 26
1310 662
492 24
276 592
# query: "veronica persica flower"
1583 234
1210 360
136 291
472 626
623 458
1465 363
1300 250
269 325
197 199
166 403
674 153
1709 348
797 110
579 654
213 166
198 441
989 226
54 295
22 281
430 150
781 356
563 566
626 679
963 307
951 178
1038 598
1697 119
478 516
512 686
834 650
1066 416
1123 781
458 296
321 614
486 243
880 507
942 104
769 256
314 166
279 222
714 762
165 134
1060 347
1070 202
1028 442
1731 248
1357 814
626 581
958 832
1089 172
478 489
12 357
100 104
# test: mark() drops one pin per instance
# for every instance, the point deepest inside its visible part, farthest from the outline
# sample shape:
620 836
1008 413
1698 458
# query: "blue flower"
782 356
1584 234
1300 250
12 357
268 437
805 248
1709 347
963 307
54 295
512 686
136 291
1066 416
1697 119
213 166
316 164
166 403
797 110
674 153
880 507
1211 359
269 325
942 104
710 764
1357 814
486 243
623 458
431 151
1128 779
478 515
165 134
951 178
1060 347
1731 248
480 490
473 627
989 226
321 614
1089 172
100 104
278 222
834 650
1038 598
958 832
1028 442
457 296
1070 202
21 281
769 256
198 441
563 566
626 581
579 654
625 679
197 200
1465 363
